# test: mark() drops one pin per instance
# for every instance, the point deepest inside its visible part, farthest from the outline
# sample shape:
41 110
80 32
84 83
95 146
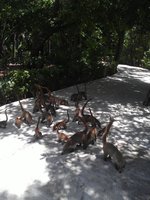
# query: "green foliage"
84 39
146 59
21 82
17 82
136 48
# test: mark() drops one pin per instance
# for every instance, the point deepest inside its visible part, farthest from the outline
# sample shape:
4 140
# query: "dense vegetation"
55 39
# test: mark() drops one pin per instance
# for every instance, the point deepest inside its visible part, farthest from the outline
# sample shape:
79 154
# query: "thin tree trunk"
119 47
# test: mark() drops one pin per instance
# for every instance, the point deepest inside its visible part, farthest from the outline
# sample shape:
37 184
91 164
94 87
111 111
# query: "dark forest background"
59 43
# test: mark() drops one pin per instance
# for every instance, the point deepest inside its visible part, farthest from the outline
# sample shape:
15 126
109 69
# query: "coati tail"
106 131
6 115
21 106
82 110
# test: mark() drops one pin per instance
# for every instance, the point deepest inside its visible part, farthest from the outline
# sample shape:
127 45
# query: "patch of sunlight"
91 192
21 169
8 146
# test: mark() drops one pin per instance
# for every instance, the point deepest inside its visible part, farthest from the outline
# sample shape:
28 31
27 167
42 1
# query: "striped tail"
106 131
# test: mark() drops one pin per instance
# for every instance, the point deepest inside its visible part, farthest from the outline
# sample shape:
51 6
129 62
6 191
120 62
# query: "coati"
62 124
92 133
51 108
88 118
80 137
41 98
112 151
81 95
18 122
38 134
62 137
46 116
40 92
56 101
37 106
76 97
25 116
69 146
39 103
77 113
3 123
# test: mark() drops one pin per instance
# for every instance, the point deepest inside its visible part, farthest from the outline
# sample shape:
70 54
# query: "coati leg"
38 134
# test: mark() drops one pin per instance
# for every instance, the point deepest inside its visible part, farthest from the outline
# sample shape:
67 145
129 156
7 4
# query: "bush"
20 83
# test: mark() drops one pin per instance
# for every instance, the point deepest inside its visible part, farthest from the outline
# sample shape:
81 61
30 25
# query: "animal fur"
47 116
69 147
26 116
90 118
80 137
38 134
81 95
79 113
112 151
18 122
62 137
62 124
37 105
56 101
51 108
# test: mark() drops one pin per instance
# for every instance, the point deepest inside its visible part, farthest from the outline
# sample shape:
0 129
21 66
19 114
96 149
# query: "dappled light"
35 169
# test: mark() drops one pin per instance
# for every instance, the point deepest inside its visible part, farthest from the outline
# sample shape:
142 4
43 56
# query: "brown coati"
79 113
92 133
61 124
40 90
56 101
37 106
69 146
51 108
41 98
38 134
26 116
46 117
81 136
90 118
111 150
3 123
40 102
18 122
62 137
81 95
76 97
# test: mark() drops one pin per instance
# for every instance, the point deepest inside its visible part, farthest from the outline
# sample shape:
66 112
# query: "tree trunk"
119 47
146 102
